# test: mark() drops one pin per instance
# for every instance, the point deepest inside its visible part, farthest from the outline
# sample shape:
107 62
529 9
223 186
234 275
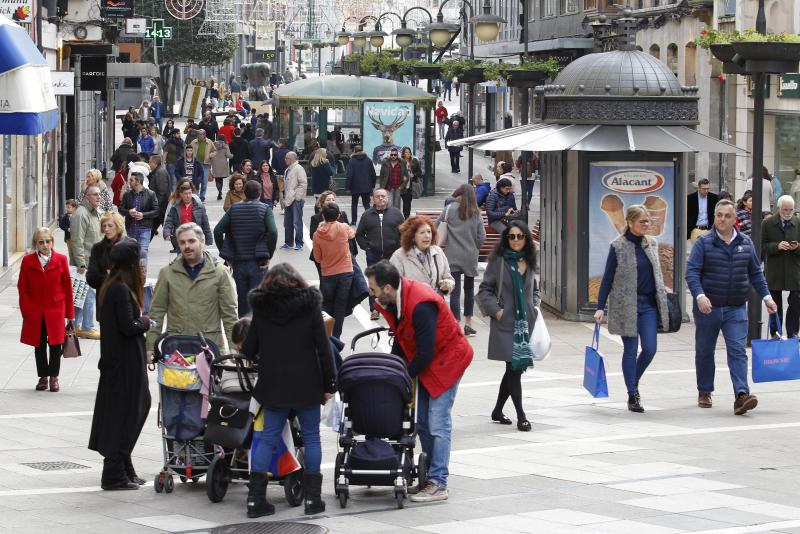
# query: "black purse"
674 315
229 423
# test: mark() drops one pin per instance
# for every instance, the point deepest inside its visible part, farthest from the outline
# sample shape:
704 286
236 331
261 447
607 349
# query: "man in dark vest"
246 236
429 338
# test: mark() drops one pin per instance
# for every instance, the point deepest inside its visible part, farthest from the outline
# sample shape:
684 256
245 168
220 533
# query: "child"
64 224
239 333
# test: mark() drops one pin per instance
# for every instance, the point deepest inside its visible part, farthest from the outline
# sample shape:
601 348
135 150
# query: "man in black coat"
239 148
159 184
259 149
361 179
700 210
454 133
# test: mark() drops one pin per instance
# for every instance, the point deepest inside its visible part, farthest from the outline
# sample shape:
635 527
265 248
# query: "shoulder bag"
441 229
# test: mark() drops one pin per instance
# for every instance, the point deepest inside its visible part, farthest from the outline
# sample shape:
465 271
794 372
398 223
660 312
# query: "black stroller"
377 432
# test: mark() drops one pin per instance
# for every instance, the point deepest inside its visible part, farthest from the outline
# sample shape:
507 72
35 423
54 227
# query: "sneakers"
430 493
88 334
704 400
469 331
374 315
42 384
287 246
744 403
298 247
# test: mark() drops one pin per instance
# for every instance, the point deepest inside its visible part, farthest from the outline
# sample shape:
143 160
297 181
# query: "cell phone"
793 243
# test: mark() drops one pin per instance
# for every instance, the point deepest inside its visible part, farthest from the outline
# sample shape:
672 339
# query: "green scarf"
521 354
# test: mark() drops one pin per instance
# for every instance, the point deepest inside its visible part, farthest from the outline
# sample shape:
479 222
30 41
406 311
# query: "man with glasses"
85 232
700 210
294 199
780 234
394 177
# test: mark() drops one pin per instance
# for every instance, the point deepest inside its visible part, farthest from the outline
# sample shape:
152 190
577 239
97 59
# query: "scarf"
521 354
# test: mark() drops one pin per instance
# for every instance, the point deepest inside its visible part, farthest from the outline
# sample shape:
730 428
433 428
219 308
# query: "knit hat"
124 251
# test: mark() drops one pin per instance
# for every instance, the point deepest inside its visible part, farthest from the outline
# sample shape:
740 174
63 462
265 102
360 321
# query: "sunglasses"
516 237
394 155
44 241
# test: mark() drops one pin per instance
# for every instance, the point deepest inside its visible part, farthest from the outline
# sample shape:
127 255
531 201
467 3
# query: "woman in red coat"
45 300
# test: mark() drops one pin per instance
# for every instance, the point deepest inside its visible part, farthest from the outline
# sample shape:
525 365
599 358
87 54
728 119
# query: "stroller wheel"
400 497
422 469
343 498
169 484
158 483
217 479
293 488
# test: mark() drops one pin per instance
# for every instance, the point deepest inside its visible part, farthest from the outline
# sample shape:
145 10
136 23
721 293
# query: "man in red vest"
436 351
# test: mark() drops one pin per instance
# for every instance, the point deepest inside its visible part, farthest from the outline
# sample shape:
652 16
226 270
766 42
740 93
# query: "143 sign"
158 32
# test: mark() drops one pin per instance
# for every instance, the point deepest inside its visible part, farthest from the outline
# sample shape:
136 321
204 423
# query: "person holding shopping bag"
637 299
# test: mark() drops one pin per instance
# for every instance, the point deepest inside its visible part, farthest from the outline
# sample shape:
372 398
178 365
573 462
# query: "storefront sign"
63 82
613 188
265 35
386 126
20 11
135 26
789 86
93 73
116 8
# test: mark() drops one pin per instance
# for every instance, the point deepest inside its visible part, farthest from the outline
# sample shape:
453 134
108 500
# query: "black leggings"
511 386
219 182
43 367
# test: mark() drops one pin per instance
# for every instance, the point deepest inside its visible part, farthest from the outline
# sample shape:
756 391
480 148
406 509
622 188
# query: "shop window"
655 51
672 58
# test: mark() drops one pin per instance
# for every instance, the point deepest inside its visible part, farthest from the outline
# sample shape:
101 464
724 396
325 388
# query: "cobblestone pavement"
588 465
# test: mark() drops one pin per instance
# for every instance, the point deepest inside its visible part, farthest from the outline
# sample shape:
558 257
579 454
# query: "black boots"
257 504
635 403
130 472
312 489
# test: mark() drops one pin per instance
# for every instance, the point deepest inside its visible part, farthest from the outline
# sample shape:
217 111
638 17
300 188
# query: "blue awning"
27 102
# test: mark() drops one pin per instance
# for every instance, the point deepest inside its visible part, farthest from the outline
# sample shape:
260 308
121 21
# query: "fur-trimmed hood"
281 305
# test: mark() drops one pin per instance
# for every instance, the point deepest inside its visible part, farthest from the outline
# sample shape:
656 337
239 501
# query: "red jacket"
117 184
440 114
452 352
44 294
227 131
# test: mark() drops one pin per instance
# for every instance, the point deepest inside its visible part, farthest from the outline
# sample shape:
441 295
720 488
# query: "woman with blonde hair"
95 177
419 258
637 299
112 225
321 172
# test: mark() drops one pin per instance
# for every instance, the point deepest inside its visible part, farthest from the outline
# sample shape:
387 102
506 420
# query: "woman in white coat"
418 258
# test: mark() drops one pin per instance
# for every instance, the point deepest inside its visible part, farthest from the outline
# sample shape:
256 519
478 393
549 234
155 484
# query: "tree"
184 47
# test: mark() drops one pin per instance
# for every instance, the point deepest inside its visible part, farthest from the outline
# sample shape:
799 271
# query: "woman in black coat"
295 373
123 397
113 227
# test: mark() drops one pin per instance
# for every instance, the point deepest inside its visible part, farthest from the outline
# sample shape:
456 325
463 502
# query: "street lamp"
441 32
343 37
360 39
377 37
403 36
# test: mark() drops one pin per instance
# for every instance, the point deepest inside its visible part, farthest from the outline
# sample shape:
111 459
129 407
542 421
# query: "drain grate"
277 527
55 466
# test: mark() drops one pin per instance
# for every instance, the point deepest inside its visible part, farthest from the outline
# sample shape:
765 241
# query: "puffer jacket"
498 204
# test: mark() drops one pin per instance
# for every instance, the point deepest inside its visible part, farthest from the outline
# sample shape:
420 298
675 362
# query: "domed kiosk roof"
619 73
348 91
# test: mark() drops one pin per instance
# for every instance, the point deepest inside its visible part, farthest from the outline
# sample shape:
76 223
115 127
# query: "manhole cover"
277 527
55 466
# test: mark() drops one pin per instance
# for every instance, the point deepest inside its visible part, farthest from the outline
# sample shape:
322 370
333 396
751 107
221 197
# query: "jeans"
372 259
529 183
394 197
469 295
792 322
247 274
43 367
441 126
143 236
173 181
336 297
204 185
268 202
647 325
434 425
293 223
354 205
732 320
84 317
274 419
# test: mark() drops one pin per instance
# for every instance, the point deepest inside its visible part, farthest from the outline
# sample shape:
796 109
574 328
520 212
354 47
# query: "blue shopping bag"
594 368
776 360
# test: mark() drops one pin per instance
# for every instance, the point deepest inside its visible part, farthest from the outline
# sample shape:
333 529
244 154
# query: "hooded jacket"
361 176
332 249
288 339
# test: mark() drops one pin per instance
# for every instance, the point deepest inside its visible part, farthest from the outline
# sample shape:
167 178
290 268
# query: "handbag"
776 360
594 368
540 338
674 315
72 347
229 423
416 188
441 229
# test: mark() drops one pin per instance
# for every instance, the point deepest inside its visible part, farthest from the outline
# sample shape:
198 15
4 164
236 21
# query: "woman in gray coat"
508 295
465 236
220 164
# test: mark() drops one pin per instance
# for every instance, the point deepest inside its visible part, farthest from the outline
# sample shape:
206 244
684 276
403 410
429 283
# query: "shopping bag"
594 369
72 347
332 412
80 288
540 338
776 360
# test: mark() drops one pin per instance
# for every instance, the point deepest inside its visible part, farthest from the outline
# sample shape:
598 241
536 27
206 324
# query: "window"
672 58
547 8
589 4
690 64
567 6
655 51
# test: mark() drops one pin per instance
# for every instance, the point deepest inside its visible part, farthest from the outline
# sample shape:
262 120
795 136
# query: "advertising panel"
265 35
386 125
613 188
116 8
20 11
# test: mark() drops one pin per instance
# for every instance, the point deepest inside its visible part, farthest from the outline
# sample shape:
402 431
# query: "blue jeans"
142 236
434 426
372 259
84 317
529 183
469 295
293 223
732 320
336 297
268 202
204 184
173 181
647 325
275 418
247 274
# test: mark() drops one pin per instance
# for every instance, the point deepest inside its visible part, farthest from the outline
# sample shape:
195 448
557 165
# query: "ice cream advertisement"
613 187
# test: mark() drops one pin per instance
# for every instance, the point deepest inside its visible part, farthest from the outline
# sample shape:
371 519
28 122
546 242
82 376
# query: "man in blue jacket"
721 268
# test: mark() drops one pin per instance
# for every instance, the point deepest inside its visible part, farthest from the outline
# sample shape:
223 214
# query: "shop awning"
599 138
27 102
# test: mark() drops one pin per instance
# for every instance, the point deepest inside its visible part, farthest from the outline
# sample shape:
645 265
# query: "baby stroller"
183 362
230 429
377 432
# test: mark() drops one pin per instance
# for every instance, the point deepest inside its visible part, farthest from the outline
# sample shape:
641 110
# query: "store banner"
63 82
386 125
789 86
265 35
20 11
116 8
613 188
191 104
94 73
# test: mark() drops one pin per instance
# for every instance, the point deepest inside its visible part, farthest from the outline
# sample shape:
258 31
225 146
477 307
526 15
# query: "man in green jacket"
780 234
195 293
85 232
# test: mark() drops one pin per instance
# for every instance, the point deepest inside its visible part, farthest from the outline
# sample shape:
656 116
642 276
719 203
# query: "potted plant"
751 45
524 73
467 71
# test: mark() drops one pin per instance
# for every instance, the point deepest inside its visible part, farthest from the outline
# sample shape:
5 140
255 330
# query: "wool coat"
783 266
122 403
410 266
464 240
288 336
220 165
498 281
361 175
44 294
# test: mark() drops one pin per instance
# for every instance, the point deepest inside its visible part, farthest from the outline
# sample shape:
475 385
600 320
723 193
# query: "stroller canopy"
372 367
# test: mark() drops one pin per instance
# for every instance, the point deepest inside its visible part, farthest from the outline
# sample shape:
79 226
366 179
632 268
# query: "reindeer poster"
385 126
